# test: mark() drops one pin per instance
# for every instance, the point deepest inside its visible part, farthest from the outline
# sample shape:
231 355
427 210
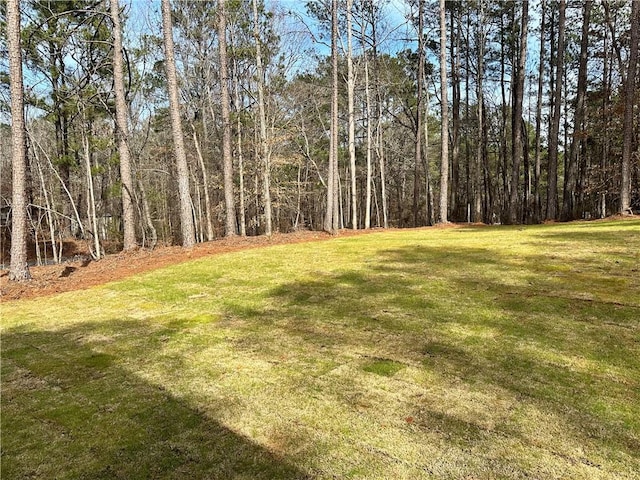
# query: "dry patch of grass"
458 353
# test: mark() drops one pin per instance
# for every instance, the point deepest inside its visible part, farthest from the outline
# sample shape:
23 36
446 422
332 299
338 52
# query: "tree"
571 175
225 101
554 130
186 218
629 91
418 117
444 109
19 268
122 131
331 223
537 171
516 114
352 117
481 134
369 144
264 145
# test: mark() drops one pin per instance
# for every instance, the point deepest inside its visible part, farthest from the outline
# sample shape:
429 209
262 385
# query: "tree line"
239 117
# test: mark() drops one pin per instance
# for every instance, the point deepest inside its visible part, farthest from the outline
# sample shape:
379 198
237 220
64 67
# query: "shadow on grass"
70 411
462 314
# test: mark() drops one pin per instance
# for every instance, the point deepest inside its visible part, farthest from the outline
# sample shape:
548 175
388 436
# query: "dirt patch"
82 273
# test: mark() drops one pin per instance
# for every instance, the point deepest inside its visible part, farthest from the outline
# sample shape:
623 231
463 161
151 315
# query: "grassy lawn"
467 353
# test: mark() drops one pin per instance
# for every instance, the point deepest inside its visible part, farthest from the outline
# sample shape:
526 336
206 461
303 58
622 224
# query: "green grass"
469 353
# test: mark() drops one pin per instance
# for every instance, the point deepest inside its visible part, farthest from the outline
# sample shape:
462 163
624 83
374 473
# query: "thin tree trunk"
241 192
205 182
418 117
629 91
91 198
332 214
186 217
64 188
367 90
383 180
47 203
503 164
227 161
122 132
552 184
146 213
538 159
444 135
571 175
480 112
454 163
427 168
352 117
18 269
264 146
516 115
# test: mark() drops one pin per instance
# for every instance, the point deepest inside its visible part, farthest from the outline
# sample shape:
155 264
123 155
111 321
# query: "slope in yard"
455 353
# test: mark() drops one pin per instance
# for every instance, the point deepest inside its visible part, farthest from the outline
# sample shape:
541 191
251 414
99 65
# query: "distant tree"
186 217
516 114
444 109
331 220
122 131
629 91
264 145
554 130
571 175
19 268
537 169
419 114
225 101
352 116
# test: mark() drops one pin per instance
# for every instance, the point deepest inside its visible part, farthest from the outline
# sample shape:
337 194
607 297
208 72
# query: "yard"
461 353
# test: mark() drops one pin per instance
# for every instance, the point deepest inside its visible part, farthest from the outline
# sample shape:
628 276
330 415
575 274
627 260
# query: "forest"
129 124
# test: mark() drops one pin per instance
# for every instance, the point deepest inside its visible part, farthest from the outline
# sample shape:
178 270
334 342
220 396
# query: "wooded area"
202 119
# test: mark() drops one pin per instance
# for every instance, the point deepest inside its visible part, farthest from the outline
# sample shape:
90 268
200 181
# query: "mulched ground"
82 273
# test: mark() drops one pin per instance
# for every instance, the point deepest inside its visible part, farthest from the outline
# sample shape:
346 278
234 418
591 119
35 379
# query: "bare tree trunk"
91 198
122 132
454 163
264 146
47 203
367 90
64 188
516 115
241 206
538 161
146 213
481 39
629 90
571 175
186 217
227 162
381 163
552 184
332 214
205 182
427 168
418 118
444 107
352 117
18 269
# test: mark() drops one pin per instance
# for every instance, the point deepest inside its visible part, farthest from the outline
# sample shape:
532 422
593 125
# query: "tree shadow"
70 410
463 314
